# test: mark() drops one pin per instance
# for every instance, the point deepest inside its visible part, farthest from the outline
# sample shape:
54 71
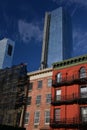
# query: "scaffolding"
13 94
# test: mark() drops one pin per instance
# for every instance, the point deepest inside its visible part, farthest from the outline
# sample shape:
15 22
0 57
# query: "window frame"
9 118
83 116
49 82
29 100
47 117
59 77
83 93
58 96
36 118
38 100
30 86
82 72
39 84
48 100
57 115
26 118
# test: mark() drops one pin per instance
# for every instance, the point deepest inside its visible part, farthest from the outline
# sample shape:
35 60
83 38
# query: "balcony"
69 80
68 123
70 99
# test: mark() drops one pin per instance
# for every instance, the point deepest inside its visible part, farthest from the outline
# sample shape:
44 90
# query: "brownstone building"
37 114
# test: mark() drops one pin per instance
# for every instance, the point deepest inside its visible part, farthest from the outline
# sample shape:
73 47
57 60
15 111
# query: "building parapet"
40 74
70 62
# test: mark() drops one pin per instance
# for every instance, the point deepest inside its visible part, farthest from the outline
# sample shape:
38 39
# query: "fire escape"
13 94
74 98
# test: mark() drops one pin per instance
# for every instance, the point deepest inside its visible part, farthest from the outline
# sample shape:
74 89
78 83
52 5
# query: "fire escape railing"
74 122
67 99
67 80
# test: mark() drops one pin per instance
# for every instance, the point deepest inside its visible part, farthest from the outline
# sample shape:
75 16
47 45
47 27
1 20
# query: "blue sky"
23 21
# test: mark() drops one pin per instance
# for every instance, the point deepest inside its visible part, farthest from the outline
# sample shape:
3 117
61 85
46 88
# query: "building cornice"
70 62
40 73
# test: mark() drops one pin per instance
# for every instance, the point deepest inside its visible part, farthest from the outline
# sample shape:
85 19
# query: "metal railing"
66 80
68 122
75 97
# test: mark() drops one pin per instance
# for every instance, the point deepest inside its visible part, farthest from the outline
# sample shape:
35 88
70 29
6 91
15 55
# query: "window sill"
38 105
26 124
28 105
47 123
36 124
29 90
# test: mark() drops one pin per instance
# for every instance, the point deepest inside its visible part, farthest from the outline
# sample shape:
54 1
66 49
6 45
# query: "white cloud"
29 31
79 42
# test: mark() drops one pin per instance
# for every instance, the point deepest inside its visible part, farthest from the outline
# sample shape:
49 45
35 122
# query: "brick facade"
69 95
40 106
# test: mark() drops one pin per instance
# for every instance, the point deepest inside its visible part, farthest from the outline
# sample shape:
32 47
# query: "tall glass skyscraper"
6 52
57 40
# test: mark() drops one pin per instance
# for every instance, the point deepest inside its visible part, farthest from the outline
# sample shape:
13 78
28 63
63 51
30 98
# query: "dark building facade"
6 127
13 94
57 39
69 95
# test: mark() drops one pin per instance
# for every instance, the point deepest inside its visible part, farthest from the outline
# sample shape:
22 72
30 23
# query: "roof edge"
70 62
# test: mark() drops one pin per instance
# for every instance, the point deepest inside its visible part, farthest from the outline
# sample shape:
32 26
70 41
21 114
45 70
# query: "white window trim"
27 118
38 100
45 117
47 98
49 81
39 118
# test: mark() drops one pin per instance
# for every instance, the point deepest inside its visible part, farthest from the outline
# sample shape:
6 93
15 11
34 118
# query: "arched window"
59 77
82 72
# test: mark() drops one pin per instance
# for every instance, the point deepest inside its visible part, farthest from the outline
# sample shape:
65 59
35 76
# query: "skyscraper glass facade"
57 37
6 53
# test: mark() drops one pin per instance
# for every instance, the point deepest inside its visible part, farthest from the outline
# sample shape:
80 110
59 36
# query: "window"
29 101
83 91
26 119
82 72
40 84
47 116
84 114
9 52
49 82
30 86
37 117
59 77
48 98
9 118
58 95
18 118
38 99
57 114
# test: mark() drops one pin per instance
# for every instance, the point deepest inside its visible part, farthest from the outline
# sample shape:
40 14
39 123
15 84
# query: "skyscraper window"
9 50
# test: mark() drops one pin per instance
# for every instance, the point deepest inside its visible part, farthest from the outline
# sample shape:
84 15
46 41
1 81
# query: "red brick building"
37 115
69 95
